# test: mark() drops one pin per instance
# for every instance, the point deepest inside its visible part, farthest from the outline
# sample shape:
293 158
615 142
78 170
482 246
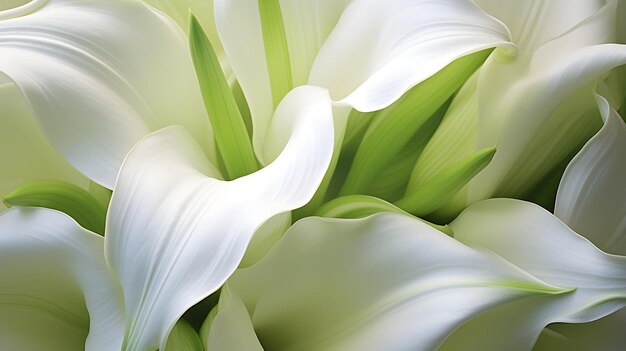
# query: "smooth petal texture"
534 22
99 75
175 233
542 100
399 44
25 153
307 25
396 47
383 282
536 241
591 196
56 291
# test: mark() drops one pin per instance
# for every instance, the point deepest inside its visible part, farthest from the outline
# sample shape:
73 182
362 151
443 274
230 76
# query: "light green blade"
276 49
231 136
393 127
446 184
61 196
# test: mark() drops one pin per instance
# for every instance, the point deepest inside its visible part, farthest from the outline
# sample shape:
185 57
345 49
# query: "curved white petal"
542 102
536 241
175 233
375 52
592 193
99 75
534 22
387 282
307 24
25 153
56 292
379 50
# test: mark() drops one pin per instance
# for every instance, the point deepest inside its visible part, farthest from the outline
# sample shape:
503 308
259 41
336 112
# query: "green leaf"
359 206
65 197
445 184
276 49
231 136
183 338
393 127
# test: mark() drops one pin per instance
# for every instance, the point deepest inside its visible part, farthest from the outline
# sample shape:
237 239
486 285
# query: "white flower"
537 108
100 76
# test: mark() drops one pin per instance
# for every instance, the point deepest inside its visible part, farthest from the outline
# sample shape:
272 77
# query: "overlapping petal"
99 75
591 196
175 232
529 104
536 241
367 57
383 282
56 292
26 154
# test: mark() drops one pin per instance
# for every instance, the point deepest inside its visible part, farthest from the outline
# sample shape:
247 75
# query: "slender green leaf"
231 136
276 49
435 193
61 196
359 206
393 127
392 183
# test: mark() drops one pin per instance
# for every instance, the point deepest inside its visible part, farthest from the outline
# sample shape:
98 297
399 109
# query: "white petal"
591 196
25 153
175 233
387 282
379 50
534 22
99 76
399 44
56 287
536 241
307 25
541 102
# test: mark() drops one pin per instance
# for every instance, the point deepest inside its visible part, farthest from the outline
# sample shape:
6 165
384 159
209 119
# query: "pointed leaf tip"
446 183
61 196
231 136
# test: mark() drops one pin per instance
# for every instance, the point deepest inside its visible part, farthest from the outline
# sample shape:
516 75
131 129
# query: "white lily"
376 274
98 76
389 281
538 108
590 200
384 282
170 237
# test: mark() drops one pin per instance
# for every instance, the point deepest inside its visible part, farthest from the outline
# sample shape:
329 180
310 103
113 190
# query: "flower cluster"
312 175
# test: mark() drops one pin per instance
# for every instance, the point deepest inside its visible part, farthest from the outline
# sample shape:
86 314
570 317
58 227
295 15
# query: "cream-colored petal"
386 282
175 232
99 75
56 292
591 196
